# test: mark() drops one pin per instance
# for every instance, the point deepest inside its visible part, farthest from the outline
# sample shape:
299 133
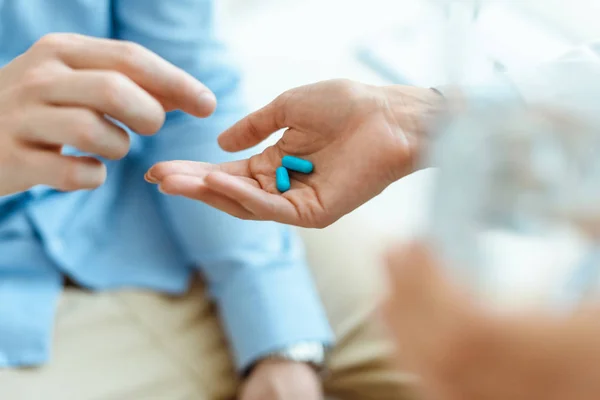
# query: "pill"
297 164
282 179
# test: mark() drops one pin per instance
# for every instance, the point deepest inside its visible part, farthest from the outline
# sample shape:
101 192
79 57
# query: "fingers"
61 172
83 129
400 256
230 194
194 188
231 181
176 88
228 181
266 206
414 272
160 171
110 93
414 290
194 168
257 126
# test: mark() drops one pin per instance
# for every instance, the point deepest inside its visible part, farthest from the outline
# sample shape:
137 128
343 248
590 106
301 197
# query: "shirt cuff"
268 310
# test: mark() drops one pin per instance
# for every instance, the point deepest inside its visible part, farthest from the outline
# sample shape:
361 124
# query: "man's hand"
282 380
464 352
58 93
360 139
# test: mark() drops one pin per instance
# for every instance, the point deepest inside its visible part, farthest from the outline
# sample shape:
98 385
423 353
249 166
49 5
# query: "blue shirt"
127 235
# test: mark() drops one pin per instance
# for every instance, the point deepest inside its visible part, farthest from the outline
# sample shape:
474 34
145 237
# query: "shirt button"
57 246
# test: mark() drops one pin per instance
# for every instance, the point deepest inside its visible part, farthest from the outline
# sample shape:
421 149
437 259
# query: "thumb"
256 127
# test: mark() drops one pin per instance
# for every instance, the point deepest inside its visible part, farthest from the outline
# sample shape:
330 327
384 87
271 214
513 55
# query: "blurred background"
280 44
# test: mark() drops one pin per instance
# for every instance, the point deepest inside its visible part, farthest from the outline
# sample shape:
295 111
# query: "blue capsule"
297 164
282 179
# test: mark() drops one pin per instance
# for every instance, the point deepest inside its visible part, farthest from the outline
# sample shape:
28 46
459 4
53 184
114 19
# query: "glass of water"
516 205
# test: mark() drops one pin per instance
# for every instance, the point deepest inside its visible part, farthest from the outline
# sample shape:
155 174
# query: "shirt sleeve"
256 271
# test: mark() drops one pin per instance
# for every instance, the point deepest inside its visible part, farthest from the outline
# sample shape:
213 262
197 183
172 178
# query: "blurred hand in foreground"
463 352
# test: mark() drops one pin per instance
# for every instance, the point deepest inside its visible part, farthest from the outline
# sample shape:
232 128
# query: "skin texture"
359 137
282 380
58 92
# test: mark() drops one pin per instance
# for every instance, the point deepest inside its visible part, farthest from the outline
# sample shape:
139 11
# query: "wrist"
414 107
272 364
280 379
412 112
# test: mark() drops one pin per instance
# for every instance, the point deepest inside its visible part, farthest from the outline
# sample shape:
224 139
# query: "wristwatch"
312 353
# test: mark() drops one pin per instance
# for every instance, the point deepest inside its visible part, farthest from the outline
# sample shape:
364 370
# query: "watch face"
310 353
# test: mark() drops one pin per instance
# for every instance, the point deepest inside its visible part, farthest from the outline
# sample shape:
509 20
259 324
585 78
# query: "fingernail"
160 189
149 178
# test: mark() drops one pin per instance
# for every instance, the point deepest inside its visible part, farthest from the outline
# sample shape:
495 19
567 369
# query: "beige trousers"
135 345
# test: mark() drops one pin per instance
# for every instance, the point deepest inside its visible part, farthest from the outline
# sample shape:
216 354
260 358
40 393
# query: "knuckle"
12 160
283 99
53 42
130 54
35 74
111 91
280 107
13 122
85 134
252 128
69 177
347 88
36 80
343 83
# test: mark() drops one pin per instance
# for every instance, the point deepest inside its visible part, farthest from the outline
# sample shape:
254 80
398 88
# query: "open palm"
358 141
